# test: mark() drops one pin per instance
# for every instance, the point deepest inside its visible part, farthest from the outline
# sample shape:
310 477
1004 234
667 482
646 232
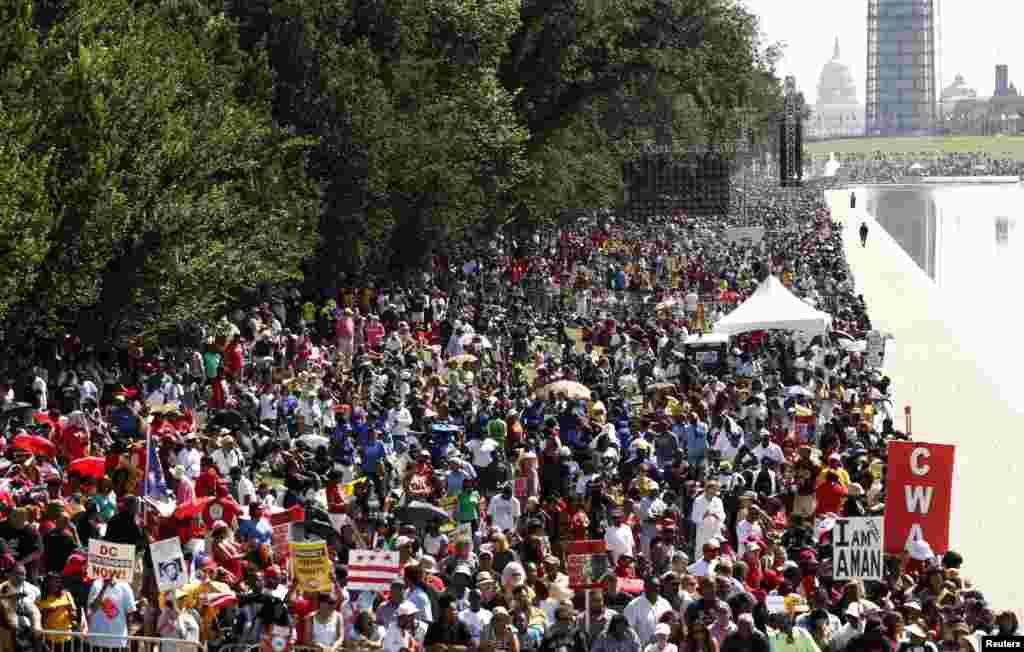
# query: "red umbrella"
192 508
92 466
221 600
35 444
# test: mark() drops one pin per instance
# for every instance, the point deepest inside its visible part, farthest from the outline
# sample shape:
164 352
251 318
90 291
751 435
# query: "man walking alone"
863 234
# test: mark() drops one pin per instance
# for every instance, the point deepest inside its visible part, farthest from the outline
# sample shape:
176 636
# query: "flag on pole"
372 570
156 485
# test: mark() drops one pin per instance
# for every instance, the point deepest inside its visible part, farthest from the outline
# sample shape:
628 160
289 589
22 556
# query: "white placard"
111 560
857 552
874 354
168 564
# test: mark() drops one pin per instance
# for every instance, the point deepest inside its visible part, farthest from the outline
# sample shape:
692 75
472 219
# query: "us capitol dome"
837 112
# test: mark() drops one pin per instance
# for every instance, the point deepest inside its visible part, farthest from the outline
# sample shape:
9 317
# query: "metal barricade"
63 641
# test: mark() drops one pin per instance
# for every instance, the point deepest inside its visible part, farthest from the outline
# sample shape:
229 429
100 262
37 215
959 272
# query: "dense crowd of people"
883 168
482 421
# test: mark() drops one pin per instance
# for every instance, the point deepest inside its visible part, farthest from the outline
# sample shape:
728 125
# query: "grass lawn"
1012 146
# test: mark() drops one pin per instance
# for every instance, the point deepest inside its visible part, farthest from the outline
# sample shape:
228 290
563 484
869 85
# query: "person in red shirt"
226 552
831 495
335 495
206 483
234 359
224 508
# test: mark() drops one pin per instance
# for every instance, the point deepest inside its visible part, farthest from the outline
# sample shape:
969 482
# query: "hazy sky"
974 36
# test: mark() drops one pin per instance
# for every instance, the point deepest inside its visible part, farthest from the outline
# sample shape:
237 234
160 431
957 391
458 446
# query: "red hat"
272 571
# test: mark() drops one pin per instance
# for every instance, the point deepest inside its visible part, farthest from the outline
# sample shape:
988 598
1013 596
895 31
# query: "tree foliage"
159 156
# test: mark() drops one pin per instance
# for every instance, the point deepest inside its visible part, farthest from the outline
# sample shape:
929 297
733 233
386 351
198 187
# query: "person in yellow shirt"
784 635
57 608
835 465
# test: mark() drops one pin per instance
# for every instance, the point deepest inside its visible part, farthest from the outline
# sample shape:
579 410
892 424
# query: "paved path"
953 402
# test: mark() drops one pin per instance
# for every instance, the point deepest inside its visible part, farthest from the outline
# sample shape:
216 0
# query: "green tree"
170 188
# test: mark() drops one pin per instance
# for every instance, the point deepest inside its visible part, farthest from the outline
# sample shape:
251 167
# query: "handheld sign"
111 560
857 549
168 564
587 563
312 566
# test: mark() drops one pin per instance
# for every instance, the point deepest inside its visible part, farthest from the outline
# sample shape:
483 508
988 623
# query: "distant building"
837 113
1004 87
901 70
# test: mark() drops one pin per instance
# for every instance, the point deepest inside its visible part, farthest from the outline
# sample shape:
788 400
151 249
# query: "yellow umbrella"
462 359
570 388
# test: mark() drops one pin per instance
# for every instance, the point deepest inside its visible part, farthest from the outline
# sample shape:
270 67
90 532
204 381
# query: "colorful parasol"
35 444
95 467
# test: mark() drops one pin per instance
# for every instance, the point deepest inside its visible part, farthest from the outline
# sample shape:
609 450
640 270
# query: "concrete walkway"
953 402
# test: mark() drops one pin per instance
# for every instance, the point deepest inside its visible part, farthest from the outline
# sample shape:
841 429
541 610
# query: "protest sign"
874 355
279 541
372 570
857 549
168 564
111 560
586 562
312 566
919 492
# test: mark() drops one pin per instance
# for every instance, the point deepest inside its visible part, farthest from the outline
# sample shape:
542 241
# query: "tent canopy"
773 307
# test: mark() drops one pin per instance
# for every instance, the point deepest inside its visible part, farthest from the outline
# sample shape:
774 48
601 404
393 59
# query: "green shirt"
802 641
212 361
469 506
498 430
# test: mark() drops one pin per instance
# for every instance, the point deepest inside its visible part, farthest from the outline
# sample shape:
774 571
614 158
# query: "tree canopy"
159 157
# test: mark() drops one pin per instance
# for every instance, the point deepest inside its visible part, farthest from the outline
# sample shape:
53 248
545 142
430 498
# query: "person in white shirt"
407 631
39 389
618 539
853 628
399 420
475 618
504 510
708 515
268 406
226 457
190 459
706 566
244 487
644 612
88 391
766 448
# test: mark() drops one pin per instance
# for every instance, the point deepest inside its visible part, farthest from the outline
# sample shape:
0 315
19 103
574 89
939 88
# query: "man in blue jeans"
374 455
696 440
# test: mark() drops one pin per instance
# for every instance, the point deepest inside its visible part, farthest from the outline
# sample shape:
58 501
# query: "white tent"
773 307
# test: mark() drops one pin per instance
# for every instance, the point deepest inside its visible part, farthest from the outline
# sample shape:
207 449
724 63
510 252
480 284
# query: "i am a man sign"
857 549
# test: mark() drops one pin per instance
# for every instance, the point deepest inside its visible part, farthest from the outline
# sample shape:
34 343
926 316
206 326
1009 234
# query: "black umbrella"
421 514
16 406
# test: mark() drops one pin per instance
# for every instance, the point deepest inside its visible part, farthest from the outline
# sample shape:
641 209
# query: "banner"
586 563
752 235
279 542
919 493
372 570
312 566
111 560
168 564
874 354
857 549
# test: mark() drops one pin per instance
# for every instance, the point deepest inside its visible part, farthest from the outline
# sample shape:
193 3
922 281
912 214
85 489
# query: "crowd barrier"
63 641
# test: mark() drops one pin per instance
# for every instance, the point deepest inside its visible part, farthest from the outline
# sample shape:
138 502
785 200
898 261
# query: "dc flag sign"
857 549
